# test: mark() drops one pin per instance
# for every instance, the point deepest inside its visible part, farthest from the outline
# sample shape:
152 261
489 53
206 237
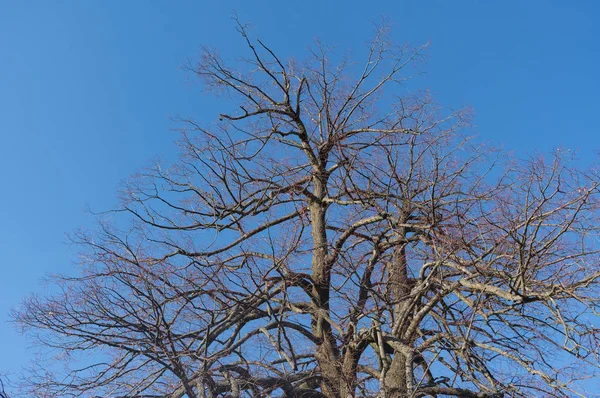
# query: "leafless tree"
335 236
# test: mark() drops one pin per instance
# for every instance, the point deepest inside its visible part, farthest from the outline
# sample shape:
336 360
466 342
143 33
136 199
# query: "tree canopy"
335 235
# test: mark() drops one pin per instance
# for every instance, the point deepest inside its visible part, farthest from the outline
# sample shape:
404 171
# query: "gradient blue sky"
87 90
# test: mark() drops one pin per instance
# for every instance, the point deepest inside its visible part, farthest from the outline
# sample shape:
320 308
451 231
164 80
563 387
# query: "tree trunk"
396 383
327 353
395 378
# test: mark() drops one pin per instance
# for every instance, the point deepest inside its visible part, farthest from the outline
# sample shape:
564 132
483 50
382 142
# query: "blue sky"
88 90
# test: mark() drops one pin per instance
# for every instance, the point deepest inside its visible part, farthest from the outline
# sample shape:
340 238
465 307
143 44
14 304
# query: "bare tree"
336 236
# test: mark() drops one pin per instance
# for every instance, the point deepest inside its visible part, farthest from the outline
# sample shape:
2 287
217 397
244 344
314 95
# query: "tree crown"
335 236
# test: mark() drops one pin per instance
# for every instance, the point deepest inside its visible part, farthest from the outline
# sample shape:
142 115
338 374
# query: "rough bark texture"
396 383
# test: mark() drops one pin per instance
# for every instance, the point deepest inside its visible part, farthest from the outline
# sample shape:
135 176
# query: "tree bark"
327 353
396 383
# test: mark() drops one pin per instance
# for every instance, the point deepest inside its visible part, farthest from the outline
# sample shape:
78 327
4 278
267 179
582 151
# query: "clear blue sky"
87 90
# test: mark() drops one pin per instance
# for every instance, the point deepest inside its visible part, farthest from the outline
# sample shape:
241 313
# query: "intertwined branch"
333 237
